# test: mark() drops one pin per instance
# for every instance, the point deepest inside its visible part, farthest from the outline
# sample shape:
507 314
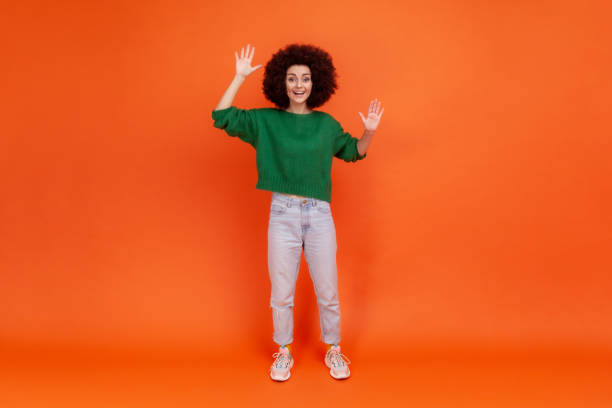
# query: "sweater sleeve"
237 122
345 146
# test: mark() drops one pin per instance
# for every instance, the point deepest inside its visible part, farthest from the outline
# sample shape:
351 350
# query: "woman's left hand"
374 115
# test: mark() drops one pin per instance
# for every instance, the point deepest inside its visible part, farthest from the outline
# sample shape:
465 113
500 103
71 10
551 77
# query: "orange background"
480 218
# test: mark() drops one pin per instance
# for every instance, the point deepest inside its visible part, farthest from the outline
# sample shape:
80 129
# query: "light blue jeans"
297 224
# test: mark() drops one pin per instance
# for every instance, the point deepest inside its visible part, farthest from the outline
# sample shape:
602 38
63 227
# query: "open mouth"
299 93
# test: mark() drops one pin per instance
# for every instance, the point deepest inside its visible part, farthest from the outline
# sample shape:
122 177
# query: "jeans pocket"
277 209
323 207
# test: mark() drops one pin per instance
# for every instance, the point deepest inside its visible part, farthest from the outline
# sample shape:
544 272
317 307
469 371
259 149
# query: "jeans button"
304 201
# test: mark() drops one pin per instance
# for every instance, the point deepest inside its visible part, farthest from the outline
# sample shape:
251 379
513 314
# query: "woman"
294 147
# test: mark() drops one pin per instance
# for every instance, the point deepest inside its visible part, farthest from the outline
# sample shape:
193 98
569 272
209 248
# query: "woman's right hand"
243 63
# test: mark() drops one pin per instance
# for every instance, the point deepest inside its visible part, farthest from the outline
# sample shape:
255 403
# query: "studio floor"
118 378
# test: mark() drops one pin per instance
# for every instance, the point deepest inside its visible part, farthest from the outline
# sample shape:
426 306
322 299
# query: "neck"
300 109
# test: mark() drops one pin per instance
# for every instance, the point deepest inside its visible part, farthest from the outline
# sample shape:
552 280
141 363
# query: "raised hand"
243 64
374 115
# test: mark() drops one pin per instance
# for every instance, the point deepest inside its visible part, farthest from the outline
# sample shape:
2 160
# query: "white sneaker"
280 369
337 363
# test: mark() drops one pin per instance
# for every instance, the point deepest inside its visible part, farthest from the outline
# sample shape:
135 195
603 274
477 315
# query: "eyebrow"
296 75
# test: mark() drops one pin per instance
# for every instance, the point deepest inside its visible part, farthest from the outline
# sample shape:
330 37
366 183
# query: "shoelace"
338 359
281 360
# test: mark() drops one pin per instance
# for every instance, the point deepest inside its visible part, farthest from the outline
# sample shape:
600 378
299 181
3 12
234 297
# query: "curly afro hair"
323 74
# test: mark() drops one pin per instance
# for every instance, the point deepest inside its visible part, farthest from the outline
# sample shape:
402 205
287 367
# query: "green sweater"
294 151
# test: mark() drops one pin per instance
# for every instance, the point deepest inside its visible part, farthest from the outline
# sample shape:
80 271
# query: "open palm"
374 114
243 63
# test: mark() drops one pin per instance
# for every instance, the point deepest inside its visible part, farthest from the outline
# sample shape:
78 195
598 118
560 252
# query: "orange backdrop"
481 215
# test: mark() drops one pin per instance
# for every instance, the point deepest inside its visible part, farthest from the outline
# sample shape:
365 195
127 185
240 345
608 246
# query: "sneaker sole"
340 377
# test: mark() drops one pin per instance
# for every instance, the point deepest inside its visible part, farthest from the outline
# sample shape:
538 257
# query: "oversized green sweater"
294 152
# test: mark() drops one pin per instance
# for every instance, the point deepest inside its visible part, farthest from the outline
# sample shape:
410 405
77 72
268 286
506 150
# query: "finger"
378 107
242 53
370 108
247 51
381 112
236 54
362 118
256 67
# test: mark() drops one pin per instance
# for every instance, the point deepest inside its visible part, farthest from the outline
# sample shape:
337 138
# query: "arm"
364 142
243 70
370 123
230 93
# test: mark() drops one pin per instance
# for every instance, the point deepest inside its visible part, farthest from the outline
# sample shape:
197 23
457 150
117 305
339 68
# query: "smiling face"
299 84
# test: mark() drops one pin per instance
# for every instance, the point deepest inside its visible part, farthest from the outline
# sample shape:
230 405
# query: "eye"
291 79
306 79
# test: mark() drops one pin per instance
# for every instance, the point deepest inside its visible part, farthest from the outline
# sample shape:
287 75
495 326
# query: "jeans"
296 224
